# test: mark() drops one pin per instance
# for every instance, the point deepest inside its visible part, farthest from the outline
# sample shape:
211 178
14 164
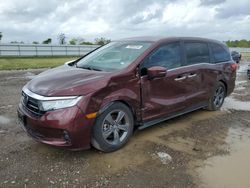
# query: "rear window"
196 52
219 53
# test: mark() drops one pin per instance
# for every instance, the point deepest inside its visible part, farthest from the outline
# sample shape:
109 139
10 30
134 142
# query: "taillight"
234 67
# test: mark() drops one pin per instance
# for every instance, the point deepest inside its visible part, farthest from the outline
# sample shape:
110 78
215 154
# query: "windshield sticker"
137 47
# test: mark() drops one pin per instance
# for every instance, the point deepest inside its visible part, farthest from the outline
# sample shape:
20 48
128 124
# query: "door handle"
180 78
191 75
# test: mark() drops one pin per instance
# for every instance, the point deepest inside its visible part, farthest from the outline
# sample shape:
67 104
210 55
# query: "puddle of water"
240 82
240 88
230 170
242 67
231 103
4 120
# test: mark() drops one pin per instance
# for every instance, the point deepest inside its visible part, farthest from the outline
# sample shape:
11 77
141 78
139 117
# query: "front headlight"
58 103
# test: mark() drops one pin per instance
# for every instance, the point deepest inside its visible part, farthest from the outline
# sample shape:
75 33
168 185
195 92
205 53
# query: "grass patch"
18 63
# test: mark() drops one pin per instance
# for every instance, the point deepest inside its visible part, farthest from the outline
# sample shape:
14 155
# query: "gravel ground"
177 153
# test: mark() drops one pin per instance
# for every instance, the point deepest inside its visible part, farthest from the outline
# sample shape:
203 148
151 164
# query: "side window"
219 53
196 52
168 56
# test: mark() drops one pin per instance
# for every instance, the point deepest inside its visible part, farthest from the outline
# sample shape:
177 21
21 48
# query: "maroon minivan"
100 98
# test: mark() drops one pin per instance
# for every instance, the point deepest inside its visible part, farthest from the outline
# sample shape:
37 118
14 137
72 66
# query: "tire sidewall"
97 137
212 106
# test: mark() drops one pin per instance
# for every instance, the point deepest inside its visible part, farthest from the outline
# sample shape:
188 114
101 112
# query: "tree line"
62 39
238 43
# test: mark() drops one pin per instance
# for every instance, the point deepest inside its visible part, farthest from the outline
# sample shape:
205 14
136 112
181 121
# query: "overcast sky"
37 20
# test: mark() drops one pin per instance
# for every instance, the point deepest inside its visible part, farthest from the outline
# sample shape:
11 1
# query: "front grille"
31 105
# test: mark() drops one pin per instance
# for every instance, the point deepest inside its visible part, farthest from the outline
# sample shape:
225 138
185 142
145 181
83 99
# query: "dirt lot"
200 149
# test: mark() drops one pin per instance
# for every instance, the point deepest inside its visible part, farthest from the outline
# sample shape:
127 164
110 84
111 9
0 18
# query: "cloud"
37 20
25 10
234 9
211 2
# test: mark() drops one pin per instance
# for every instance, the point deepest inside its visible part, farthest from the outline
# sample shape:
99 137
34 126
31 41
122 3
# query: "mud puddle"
230 170
231 103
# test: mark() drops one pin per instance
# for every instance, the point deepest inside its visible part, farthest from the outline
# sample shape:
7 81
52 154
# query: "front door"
167 95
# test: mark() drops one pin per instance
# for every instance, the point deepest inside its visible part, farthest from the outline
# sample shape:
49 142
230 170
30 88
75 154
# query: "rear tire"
113 128
217 98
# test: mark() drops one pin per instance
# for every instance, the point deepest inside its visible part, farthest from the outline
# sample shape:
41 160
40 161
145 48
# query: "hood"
67 81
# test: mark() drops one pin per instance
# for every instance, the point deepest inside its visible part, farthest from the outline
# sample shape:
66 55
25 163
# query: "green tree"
238 43
102 41
82 41
35 42
48 41
243 43
73 41
79 41
1 36
86 43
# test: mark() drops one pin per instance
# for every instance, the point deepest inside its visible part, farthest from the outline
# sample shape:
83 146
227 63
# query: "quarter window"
196 53
168 56
219 53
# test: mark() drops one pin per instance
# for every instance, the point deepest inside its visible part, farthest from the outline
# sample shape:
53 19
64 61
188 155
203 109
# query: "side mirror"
156 72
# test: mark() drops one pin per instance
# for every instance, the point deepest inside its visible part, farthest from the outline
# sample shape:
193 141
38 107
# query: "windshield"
113 56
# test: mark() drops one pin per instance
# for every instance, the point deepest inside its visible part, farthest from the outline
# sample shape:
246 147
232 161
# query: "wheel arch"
224 83
126 103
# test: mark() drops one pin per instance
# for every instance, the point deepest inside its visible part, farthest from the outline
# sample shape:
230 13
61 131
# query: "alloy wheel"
219 96
115 127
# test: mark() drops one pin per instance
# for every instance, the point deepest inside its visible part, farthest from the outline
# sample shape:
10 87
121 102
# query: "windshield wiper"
90 68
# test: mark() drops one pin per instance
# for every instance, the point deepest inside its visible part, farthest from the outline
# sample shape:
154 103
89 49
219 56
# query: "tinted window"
219 53
168 56
197 52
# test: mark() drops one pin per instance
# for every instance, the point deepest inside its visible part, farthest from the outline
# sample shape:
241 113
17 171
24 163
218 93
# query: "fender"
129 98
105 107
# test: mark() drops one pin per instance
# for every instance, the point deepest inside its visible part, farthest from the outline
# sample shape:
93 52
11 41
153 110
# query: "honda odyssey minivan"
102 97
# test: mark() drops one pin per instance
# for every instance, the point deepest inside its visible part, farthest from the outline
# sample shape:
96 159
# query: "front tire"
217 98
113 128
